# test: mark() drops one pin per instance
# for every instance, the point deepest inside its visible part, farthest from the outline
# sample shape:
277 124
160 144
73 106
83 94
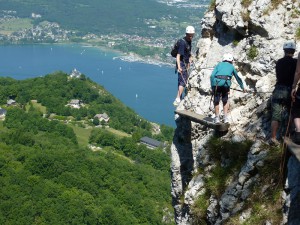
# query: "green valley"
59 165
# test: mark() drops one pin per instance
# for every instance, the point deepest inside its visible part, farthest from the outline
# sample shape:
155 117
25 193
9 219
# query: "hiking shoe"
176 102
274 142
296 138
226 120
217 119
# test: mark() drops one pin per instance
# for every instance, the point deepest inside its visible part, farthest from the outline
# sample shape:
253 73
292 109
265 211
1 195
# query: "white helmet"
228 57
189 30
290 45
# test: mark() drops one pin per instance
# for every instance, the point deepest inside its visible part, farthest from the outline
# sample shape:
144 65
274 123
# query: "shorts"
220 92
296 105
281 100
183 77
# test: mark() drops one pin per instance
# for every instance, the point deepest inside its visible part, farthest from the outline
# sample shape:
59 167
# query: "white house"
75 103
11 102
75 74
102 117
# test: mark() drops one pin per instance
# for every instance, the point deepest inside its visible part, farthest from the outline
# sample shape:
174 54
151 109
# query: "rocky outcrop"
254 32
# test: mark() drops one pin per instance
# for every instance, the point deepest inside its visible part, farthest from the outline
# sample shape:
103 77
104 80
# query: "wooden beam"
204 120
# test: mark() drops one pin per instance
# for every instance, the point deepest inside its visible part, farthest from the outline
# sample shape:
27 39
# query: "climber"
220 83
281 96
183 60
296 103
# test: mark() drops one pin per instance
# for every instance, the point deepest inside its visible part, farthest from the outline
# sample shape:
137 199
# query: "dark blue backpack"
174 50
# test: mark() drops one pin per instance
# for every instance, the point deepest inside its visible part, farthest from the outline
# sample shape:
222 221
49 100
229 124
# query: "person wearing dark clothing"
183 60
285 70
296 103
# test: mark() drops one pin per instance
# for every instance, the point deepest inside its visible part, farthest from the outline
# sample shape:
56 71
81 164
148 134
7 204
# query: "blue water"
148 89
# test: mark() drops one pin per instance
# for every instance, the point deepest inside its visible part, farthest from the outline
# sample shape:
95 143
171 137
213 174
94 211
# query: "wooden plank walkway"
204 120
294 148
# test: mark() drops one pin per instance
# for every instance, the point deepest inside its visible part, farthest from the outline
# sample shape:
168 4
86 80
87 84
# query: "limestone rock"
254 34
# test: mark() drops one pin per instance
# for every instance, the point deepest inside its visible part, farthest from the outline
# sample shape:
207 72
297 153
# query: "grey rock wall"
236 29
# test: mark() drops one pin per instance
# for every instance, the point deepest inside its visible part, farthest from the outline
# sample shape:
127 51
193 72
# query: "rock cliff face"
254 32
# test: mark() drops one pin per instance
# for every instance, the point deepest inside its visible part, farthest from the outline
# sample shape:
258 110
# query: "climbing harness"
220 77
187 71
223 77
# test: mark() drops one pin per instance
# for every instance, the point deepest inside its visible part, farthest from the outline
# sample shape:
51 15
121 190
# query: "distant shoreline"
128 57
135 58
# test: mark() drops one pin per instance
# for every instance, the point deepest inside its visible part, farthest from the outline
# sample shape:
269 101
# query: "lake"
148 89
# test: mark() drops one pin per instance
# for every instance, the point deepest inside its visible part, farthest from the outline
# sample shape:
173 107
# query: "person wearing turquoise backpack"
220 83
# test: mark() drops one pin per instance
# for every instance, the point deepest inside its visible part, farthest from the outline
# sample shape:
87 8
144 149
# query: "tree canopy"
48 178
54 91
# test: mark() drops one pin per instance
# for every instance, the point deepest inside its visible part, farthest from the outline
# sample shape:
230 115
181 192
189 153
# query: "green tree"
96 121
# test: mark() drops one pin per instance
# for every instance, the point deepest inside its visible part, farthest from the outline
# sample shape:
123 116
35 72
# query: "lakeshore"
147 88
128 57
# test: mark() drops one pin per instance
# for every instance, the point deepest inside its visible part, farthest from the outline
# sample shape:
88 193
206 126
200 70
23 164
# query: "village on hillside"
50 32
99 120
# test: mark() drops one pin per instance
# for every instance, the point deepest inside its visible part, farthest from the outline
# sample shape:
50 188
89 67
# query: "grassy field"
118 132
37 106
13 25
82 134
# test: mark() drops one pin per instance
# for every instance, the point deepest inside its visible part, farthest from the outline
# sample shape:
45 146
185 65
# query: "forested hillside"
47 179
48 175
56 90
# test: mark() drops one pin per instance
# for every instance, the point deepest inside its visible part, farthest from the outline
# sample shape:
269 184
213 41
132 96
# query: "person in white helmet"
183 60
281 97
295 94
220 80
